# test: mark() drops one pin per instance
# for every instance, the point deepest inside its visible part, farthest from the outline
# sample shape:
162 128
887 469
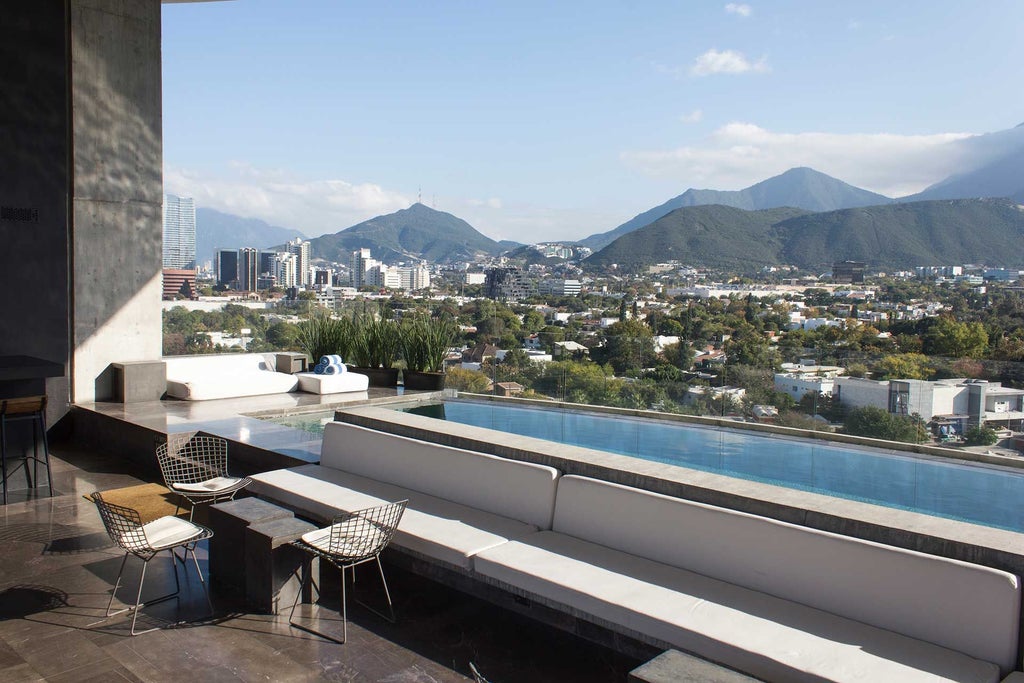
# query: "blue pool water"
982 494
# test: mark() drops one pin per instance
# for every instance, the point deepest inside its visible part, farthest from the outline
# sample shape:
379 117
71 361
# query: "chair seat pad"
211 486
348 547
166 532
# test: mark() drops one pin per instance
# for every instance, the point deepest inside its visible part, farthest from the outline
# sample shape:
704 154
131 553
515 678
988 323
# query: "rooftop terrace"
59 566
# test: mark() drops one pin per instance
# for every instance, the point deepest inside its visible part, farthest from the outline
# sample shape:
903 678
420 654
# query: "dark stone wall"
34 182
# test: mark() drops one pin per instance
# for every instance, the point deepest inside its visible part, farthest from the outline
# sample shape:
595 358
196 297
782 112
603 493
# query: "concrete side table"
290 362
140 380
274 568
229 520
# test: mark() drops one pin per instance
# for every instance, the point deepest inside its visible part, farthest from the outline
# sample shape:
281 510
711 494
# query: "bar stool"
26 408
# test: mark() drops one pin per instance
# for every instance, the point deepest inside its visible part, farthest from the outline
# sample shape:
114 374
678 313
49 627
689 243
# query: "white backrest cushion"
519 490
965 607
182 368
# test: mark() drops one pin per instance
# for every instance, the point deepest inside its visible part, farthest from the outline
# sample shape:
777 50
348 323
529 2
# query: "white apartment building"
301 250
964 403
559 287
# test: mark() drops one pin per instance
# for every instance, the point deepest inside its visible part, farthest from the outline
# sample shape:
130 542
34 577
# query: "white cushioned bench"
778 601
460 502
206 377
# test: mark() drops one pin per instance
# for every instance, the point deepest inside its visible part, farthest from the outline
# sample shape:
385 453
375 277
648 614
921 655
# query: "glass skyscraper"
179 232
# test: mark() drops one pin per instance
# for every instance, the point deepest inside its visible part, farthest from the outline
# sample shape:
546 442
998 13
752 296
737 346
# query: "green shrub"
323 335
981 436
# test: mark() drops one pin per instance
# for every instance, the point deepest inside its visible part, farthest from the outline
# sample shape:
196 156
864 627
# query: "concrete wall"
117 209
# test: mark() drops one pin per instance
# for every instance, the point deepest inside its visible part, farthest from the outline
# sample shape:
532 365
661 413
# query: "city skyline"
551 123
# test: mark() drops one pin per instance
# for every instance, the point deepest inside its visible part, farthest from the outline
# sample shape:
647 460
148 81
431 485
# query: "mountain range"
889 236
416 233
826 219
802 188
218 230
994 168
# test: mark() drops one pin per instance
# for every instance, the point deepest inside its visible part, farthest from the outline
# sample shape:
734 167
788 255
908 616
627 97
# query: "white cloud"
278 197
740 154
740 9
726 62
694 116
318 207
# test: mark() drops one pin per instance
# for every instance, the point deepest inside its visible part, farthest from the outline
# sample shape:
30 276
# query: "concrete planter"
423 381
379 377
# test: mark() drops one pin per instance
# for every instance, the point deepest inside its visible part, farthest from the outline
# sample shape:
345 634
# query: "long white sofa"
460 502
201 378
778 601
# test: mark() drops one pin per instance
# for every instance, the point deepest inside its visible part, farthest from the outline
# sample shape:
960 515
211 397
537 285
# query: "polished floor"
57 568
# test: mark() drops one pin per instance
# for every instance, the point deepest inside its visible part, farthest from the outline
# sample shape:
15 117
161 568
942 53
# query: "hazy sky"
555 120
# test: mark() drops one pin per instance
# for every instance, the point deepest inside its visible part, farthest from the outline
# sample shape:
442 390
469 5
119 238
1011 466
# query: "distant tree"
550 335
797 420
173 344
949 337
856 369
282 336
747 346
472 381
981 436
679 355
533 321
878 423
903 366
629 346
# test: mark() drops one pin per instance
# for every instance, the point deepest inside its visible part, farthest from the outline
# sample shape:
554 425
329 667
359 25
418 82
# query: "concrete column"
117 203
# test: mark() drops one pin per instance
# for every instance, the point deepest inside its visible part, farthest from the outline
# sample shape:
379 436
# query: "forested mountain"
418 232
802 188
900 236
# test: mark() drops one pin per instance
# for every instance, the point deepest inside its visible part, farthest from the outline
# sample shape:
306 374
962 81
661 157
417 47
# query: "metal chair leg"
309 629
3 453
390 617
46 453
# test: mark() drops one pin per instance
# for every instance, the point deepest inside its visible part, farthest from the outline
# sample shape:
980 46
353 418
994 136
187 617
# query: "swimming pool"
955 489
978 493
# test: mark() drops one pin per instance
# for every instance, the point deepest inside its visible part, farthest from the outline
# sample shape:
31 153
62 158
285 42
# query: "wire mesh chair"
144 541
196 468
352 539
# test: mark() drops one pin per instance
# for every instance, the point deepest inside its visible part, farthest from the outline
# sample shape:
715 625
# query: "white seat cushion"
214 485
765 636
348 546
432 527
166 532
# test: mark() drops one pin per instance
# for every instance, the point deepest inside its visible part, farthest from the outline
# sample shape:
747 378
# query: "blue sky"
555 120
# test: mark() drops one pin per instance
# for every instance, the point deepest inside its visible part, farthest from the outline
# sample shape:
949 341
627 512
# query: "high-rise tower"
179 232
300 248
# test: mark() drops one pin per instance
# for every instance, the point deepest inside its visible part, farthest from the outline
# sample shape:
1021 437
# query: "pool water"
978 493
